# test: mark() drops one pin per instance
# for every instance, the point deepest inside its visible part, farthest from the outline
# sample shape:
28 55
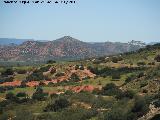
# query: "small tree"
157 58
111 90
140 106
21 94
58 105
10 96
141 74
39 94
130 78
8 71
74 77
114 59
53 95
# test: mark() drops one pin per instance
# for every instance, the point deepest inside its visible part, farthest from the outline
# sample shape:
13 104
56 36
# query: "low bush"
21 71
51 61
157 58
74 77
59 104
39 94
59 74
141 63
8 71
21 94
140 106
10 96
130 78
111 90
116 76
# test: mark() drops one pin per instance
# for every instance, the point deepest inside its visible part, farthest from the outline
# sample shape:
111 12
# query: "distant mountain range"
8 41
63 48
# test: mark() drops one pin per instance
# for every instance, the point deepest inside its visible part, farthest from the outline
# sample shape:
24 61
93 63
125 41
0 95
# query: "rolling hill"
120 87
65 48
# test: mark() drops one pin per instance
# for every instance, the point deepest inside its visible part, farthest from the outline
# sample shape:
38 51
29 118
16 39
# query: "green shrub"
83 97
111 90
114 59
21 94
120 111
140 106
37 76
59 104
24 114
73 113
53 95
39 94
130 78
141 74
8 71
10 96
44 68
141 63
157 58
157 103
21 71
151 63
3 104
60 74
93 69
130 94
74 77
116 76
51 61
143 83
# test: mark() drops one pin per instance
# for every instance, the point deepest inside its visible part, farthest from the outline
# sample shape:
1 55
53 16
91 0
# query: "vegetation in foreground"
121 87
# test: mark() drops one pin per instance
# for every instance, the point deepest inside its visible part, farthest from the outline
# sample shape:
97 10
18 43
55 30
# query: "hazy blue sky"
87 20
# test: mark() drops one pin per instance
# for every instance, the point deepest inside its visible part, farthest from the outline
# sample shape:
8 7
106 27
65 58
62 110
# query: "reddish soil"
78 89
81 73
14 83
32 83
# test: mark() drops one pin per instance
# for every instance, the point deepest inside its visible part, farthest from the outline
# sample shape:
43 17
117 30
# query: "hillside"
63 48
116 87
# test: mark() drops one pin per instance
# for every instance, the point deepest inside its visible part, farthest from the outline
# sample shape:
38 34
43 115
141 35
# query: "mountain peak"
67 39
